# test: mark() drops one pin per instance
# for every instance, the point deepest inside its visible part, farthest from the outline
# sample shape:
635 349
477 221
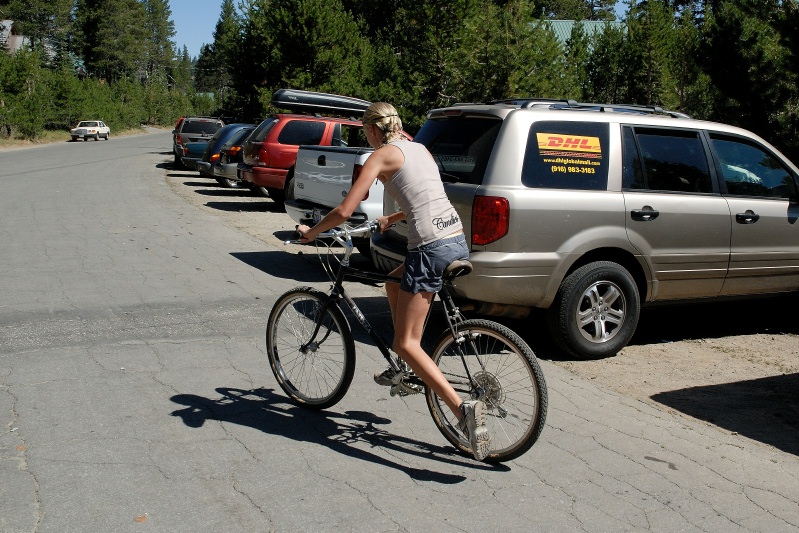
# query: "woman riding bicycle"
435 239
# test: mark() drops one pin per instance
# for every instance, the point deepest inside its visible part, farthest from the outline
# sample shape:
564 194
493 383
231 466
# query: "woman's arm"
382 164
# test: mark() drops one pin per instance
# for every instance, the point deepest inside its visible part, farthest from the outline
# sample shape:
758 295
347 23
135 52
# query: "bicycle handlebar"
343 235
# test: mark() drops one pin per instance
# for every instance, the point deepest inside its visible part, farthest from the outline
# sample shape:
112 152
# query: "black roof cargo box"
298 101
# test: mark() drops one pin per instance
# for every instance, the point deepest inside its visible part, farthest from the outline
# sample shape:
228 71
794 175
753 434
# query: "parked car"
225 170
90 129
192 152
211 153
591 211
191 130
269 154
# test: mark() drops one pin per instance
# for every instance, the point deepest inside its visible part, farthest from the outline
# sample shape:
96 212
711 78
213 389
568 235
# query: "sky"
195 21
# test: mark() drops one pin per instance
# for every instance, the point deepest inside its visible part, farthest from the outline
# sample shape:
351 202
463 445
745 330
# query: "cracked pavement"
135 394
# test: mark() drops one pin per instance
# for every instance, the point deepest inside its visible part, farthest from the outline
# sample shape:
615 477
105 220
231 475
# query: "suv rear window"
302 132
461 146
200 126
567 155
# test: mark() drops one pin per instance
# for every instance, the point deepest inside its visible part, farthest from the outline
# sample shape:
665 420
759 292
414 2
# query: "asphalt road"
135 393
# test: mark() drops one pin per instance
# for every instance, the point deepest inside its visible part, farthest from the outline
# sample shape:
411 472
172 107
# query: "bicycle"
311 351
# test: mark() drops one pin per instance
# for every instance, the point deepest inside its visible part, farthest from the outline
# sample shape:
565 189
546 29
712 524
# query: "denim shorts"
425 264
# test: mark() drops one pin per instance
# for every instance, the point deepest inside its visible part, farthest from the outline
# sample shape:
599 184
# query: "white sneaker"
473 426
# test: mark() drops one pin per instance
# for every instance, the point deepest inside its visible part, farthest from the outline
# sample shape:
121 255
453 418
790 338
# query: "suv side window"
349 135
262 130
566 155
665 160
302 132
748 170
461 146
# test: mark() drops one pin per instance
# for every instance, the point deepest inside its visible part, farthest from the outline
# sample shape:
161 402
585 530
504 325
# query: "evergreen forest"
732 61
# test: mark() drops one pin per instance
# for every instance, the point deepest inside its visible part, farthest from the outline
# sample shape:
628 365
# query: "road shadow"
765 409
718 319
301 267
679 322
346 433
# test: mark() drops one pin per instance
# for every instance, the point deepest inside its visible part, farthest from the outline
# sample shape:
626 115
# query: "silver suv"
590 211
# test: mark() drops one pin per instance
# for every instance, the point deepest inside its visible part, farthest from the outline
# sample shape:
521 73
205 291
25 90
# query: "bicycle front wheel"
313 366
515 392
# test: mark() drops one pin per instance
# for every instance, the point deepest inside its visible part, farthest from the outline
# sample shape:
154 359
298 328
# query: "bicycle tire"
516 393
321 375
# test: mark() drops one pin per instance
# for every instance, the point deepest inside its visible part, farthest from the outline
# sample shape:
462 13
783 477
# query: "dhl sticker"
572 143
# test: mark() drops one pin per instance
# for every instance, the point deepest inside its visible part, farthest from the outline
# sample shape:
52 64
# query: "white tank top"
419 192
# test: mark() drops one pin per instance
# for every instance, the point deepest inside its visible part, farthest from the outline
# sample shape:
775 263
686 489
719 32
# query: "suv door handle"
750 217
644 214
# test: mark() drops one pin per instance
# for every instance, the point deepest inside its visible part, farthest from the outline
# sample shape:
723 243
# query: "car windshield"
87 124
461 146
197 126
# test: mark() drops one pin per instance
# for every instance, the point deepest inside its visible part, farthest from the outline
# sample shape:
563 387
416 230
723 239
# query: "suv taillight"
356 173
490 219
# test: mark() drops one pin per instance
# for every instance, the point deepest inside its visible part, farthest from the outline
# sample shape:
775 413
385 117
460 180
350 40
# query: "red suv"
269 154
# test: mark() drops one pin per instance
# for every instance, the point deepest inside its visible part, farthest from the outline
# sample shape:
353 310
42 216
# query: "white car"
90 129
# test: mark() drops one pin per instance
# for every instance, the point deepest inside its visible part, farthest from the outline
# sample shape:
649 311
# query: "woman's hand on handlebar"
388 221
383 223
303 230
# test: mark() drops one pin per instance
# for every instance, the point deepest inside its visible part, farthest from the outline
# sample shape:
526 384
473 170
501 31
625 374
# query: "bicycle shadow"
265 411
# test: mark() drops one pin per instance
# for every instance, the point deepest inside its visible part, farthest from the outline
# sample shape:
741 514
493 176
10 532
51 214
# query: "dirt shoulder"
734 364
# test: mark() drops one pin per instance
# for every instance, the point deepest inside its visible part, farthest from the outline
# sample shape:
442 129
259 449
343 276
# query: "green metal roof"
563 28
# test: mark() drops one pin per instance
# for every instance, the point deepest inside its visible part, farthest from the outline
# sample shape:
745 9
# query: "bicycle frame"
338 292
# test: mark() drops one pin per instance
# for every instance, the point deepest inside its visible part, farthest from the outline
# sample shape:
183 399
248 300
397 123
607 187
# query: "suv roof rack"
563 103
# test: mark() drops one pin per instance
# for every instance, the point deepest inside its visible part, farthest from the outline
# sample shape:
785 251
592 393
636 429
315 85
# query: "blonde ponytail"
385 117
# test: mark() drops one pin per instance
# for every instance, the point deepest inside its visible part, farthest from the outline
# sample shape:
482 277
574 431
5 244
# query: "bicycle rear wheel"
315 374
515 390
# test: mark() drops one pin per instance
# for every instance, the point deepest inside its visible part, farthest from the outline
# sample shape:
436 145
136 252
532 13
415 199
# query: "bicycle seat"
459 267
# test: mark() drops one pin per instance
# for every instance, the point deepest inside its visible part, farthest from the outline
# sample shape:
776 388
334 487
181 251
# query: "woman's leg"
392 292
410 313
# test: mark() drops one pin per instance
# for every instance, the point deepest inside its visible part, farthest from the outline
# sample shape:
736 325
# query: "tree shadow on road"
765 409
345 433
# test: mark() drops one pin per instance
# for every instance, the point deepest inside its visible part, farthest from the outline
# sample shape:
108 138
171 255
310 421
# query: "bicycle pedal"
405 389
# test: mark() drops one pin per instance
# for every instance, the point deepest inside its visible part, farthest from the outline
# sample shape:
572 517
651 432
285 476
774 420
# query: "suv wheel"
277 195
288 190
596 311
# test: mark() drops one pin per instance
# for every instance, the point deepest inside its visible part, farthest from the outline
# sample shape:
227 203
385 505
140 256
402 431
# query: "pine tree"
159 48
113 36
747 60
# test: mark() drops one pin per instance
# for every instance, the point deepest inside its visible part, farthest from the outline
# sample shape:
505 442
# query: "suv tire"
578 319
